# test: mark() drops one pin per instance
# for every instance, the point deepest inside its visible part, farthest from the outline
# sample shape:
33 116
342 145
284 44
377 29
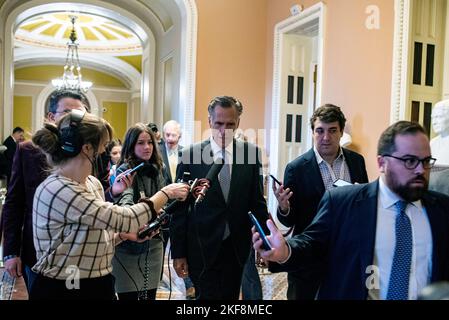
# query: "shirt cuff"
11 256
289 253
282 213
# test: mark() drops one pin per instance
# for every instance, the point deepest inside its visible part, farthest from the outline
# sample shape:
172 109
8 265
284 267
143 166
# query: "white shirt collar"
388 198
171 151
319 159
216 149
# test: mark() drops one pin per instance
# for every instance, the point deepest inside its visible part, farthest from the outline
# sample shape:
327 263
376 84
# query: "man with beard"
383 240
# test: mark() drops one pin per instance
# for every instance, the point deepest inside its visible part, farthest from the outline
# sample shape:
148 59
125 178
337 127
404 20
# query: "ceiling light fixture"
72 78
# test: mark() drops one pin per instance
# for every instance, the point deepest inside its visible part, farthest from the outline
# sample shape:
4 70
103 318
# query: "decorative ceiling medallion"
95 34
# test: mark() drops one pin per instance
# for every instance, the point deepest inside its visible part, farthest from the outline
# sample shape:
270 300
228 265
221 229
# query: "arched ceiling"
95 34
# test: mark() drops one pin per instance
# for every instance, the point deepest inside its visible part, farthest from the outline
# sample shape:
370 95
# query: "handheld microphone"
211 175
166 212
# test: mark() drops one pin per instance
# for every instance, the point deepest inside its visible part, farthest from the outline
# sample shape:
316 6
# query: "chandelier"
72 78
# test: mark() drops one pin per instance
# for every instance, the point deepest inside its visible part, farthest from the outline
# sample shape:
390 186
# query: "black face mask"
100 165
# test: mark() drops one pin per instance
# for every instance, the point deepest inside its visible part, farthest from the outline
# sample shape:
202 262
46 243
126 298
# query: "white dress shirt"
217 152
421 268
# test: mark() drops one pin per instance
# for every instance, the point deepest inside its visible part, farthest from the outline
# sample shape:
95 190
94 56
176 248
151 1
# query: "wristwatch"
6 258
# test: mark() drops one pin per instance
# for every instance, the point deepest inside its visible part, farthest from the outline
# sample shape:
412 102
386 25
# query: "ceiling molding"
107 64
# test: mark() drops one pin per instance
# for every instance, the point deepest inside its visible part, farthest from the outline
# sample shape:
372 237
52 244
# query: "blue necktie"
402 259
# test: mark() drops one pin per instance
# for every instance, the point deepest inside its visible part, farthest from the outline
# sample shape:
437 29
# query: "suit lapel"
314 176
434 216
208 160
367 222
237 149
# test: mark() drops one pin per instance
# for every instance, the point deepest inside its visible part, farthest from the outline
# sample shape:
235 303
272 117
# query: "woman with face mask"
75 231
138 266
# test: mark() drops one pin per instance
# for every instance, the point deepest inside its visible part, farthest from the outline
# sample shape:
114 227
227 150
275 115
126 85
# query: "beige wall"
235 56
357 67
231 57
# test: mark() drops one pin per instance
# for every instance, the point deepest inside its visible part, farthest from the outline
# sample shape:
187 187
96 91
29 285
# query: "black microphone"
156 223
211 175
168 209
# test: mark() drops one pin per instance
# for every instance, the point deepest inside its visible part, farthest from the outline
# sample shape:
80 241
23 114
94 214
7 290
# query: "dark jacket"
342 239
29 169
303 177
196 231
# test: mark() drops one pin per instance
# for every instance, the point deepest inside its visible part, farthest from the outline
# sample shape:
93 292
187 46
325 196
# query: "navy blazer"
342 239
196 232
303 177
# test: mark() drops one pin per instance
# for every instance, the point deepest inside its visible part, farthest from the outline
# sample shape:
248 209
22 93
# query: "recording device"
71 140
169 209
132 170
265 243
341 183
211 176
275 180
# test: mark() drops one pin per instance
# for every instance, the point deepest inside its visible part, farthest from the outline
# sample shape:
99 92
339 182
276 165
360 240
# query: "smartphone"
341 183
275 180
133 169
265 243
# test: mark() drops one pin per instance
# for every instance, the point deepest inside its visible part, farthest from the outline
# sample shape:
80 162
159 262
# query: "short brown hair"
387 145
328 113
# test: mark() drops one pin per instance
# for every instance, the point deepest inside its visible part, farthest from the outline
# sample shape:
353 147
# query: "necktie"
225 177
173 162
225 182
402 259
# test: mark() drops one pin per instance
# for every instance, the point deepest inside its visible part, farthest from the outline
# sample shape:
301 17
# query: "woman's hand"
133 236
122 182
178 191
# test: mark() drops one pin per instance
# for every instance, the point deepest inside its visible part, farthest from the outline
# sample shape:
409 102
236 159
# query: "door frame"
310 17
401 50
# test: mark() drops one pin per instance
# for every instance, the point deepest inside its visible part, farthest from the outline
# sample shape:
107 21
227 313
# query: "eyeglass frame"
404 160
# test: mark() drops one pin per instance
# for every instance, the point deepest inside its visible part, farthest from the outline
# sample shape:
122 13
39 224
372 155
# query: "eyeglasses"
412 162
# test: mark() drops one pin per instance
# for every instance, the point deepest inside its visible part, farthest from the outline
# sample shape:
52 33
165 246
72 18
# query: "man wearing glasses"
383 240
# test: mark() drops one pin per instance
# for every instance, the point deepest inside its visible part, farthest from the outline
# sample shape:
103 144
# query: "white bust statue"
440 123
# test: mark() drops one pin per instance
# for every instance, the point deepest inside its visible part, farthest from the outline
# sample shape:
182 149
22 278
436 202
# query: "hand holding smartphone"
265 243
132 170
275 180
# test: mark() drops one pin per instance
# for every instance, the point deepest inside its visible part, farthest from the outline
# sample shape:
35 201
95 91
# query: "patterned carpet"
274 286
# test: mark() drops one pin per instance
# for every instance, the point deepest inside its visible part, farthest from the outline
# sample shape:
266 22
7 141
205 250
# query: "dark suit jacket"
342 238
9 154
303 177
167 173
30 168
196 232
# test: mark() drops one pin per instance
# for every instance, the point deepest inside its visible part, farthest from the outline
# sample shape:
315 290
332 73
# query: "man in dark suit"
211 240
171 149
11 143
307 178
30 168
383 240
